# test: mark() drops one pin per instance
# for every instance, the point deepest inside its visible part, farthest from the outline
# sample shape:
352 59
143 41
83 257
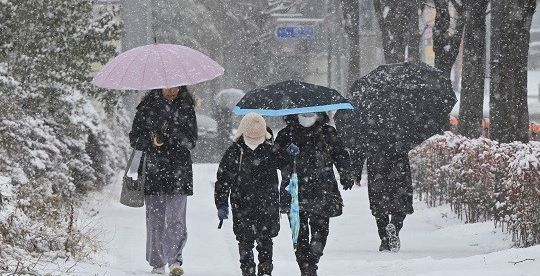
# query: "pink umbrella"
157 66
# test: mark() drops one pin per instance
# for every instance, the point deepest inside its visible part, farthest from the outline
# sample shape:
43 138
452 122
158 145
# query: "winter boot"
265 269
248 271
309 270
384 245
176 270
393 238
158 270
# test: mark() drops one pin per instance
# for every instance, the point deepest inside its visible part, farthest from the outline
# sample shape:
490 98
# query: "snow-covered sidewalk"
434 242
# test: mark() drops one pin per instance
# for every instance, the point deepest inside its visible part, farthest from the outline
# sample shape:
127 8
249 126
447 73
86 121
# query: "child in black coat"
248 175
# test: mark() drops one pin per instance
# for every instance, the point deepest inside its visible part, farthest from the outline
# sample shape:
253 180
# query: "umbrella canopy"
294 213
157 66
399 106
228 98
291 97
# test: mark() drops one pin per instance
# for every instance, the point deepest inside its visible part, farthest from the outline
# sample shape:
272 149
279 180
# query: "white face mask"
251 146
308 119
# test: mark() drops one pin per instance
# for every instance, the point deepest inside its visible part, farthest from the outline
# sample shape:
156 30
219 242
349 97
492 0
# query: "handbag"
132 194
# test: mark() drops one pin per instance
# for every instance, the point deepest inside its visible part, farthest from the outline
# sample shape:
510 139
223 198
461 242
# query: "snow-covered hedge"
58 133
482 180
46 167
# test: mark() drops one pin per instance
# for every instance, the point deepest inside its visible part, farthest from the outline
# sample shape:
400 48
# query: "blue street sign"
295 32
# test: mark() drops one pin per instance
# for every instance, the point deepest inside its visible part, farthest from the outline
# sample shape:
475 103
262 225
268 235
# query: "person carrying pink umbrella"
165 130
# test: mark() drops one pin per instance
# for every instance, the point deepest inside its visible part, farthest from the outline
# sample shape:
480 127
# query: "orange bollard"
453 124
453 121
486 124
534 128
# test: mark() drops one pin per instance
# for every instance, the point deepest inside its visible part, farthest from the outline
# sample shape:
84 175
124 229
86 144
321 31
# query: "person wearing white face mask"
316 148
248 175
307 119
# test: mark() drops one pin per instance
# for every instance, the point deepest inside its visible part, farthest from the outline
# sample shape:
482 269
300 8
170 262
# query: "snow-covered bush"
431 157
518 204
56 130
482 180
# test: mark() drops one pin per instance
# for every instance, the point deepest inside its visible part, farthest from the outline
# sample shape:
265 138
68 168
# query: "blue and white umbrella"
291 97
294 213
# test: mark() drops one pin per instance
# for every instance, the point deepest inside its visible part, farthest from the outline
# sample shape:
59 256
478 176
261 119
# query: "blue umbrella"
291 97
294 213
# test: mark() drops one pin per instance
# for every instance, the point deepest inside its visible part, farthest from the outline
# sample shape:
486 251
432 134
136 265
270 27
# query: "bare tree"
351 18
510 34
474 67
242 26
398 21
447 36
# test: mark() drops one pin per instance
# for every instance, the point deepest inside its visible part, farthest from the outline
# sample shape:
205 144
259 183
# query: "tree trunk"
474 67
393 43
398 21
511 22
351 18
413 35
446 42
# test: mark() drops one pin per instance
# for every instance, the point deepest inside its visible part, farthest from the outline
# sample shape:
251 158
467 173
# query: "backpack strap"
241 159
241 156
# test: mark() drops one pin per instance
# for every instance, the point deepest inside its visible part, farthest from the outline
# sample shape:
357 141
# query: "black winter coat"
250 178
389 180
169 167
320 149
389 175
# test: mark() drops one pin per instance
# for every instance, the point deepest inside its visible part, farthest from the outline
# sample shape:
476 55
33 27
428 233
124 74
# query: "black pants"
309 248
247 260
384 220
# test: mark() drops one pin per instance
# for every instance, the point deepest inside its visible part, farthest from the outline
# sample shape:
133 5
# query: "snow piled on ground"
434 242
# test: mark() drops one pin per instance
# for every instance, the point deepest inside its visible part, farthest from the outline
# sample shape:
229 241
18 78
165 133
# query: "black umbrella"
291 97
398 106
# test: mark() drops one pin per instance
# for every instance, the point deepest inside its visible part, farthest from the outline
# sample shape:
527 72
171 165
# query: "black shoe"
248 271
265 269
384 245
393 238
308 269
309 273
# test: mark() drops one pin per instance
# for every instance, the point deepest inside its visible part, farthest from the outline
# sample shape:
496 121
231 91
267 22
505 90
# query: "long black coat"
320 149
250 178
169 167
389 181
389 175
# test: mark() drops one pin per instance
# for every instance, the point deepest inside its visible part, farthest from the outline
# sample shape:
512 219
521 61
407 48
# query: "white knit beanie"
253 128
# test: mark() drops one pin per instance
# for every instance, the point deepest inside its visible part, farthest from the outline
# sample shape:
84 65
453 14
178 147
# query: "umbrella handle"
220 224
